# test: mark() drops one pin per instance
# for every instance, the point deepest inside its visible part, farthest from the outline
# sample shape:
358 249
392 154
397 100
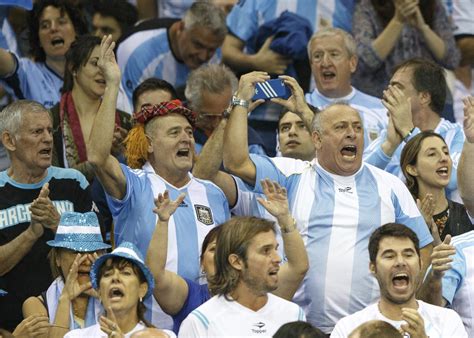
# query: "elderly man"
337 200
208 92
33 194
333 57
246 271
171 49
395 262
415 99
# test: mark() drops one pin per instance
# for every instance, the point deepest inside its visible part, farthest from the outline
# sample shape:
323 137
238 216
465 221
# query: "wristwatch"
239 102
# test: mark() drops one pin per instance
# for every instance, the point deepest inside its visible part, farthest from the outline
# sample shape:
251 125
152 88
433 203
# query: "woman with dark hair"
53 26
122 280
73 116
391 31
426 165
70 302
178 296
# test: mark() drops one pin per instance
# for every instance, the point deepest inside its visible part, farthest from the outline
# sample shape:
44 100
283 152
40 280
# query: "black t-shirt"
69 191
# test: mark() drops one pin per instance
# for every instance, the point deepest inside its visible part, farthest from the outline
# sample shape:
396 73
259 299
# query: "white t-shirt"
219 317
439 322
95 331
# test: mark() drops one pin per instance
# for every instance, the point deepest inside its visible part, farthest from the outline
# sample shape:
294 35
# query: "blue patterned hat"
130 252
79 232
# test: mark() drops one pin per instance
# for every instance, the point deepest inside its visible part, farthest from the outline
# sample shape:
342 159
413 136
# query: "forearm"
465 176
431 290
102 133
234 57
293 244
210 159
61 320
386 40
7 62
434 42
12 252
158 251
236 140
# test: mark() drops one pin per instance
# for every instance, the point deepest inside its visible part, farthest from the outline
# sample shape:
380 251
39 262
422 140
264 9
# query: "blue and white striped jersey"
204 207
458 282
7 36
34 81
453 135
336 216
370 108
247 16
146 54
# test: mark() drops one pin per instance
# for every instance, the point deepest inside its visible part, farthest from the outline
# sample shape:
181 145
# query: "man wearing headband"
160 153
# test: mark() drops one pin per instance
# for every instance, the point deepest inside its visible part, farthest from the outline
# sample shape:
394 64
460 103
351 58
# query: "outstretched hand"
107 63
277 200
165 207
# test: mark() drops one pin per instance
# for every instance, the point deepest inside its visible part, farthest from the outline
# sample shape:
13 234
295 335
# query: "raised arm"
291 273
466 163
14 251
106 166
171 290
236 154
209 161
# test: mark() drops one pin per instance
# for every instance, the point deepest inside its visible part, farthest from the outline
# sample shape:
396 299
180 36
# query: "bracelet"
405 139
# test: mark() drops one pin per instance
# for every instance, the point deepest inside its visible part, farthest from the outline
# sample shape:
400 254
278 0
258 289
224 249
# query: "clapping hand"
415 325
441 257
399 108
32 326
43 211
426 207
165 207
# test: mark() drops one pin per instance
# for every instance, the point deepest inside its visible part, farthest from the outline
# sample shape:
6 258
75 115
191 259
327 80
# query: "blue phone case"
271 89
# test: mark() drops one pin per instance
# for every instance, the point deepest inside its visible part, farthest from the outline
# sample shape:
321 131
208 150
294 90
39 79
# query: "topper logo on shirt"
204 214
346 189
260 328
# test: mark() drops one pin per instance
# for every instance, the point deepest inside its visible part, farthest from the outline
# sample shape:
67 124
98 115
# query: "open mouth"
101 81
328 75
349 151
57 42
400 281
46 151
115 293
443 172
183 153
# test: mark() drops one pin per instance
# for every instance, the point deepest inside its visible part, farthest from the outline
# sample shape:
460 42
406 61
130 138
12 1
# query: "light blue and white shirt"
458 282
7 36
34 81
370 108
204 207
336 216
247 16
173 8
146 54
453 135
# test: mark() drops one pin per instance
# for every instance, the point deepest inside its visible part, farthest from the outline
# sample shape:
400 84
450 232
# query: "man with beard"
395 262
247 264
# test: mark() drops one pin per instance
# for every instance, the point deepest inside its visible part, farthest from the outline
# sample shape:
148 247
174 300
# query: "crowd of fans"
146 192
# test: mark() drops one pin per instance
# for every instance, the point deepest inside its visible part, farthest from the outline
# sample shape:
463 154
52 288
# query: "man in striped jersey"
169 50
415 99
336 199
160 150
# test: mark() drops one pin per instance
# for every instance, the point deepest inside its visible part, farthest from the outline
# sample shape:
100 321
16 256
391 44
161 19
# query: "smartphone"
271 89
